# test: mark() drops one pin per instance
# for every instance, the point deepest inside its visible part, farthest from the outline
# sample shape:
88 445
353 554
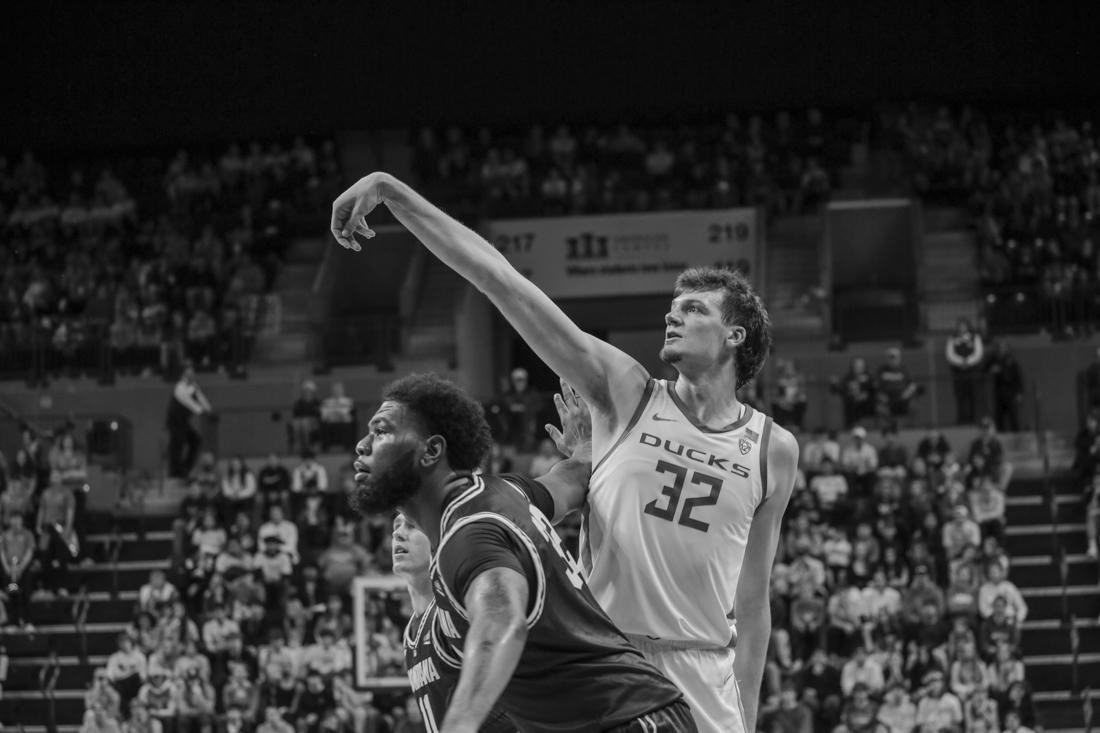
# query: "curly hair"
741 306
444 409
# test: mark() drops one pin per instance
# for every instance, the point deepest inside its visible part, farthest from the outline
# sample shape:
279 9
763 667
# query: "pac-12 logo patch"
745 446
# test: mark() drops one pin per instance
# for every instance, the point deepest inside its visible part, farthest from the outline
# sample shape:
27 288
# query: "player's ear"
435 447
736 336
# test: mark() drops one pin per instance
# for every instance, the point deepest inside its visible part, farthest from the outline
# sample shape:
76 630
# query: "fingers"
570 394
559 405
555 435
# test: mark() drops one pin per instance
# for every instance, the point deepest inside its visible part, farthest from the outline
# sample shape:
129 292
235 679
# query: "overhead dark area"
107 73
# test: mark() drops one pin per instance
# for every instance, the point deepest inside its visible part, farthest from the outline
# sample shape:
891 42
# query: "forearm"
754 628
498 633
567 482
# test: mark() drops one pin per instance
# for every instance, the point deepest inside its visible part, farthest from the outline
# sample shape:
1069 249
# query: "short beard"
394 487
670 356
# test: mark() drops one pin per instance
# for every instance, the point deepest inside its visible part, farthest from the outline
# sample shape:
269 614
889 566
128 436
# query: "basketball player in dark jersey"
512 611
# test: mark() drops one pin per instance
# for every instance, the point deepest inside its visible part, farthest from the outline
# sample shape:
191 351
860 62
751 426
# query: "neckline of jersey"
670 387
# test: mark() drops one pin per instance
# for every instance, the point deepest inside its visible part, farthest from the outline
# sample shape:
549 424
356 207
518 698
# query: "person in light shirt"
938 709
997 585
862 669
278 526
879 597
831 487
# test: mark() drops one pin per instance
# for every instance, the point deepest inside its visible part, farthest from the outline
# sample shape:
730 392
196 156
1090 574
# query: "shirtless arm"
609 379
752 607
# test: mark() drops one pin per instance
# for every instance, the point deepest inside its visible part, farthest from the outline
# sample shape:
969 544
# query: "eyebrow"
690 301
379 420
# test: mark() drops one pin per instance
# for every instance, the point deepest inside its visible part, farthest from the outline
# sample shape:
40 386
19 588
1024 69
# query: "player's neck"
426 508
710 397
420 592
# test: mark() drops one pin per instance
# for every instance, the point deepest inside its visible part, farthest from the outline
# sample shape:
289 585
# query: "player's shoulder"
782 446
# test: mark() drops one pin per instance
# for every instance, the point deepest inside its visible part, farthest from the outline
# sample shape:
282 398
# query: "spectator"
98 720
70 462
960 532
862 670
789 405
831 490
309 476
857 393
158 593
981 709
196 702
897 711
860 459
1008 387
846 614
16 553
938 709
273 722
274 567
273 484
923 592
183 440
1005 670
240 692
987 505
820 446
895 389
892 455
233 556
210 538
102 694
141 721
305 419
968 673
962 594
160 696
997 585
238 489
218 629
126 669
57 544
523 407
282 528
792 716
964 352
233 722
338 426
342 562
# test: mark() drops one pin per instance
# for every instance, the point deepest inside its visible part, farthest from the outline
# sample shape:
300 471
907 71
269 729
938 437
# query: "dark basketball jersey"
432 679
577 671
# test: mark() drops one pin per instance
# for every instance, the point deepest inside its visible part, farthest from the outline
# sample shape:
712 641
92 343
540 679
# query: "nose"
671 319
362 448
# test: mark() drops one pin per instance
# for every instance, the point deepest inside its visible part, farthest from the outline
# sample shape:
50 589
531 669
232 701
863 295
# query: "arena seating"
133 262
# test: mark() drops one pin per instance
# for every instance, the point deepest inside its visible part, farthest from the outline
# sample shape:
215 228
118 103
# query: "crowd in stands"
892 610
158 258
787 164
42 506
1032 182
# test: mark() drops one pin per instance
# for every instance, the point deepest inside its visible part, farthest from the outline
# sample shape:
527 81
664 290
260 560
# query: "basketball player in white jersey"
683 512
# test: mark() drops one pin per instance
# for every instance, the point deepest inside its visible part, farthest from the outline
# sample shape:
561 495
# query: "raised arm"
496 603
752 607
604 375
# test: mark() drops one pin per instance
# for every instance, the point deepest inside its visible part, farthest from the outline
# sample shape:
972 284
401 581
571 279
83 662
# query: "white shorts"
706 678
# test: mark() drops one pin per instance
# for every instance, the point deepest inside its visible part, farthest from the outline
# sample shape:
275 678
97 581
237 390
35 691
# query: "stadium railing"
80 618
1029 308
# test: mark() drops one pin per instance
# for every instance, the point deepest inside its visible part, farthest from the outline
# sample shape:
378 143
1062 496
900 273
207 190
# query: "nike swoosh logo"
658 418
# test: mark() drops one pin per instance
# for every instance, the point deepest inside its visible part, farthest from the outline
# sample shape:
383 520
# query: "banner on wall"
626 254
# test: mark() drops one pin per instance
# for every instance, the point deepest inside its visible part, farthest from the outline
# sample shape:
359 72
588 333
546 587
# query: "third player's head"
412 550
716 319
425 426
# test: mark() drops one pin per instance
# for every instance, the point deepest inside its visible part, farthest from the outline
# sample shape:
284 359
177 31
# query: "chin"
669 355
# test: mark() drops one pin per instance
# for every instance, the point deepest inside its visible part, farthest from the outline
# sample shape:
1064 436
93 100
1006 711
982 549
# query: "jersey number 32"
672 493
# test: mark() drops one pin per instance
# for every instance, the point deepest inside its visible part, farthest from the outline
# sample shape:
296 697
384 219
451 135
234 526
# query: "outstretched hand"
350 209
575 435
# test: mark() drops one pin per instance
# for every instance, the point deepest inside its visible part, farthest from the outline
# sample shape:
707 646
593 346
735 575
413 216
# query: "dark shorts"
672 718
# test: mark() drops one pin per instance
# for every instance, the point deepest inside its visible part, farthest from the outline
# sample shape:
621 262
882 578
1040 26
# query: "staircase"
1035 540
82 644
431 331
285 338
794 275
948 270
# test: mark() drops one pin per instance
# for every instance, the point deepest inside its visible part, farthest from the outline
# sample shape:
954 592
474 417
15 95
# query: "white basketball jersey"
667 520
